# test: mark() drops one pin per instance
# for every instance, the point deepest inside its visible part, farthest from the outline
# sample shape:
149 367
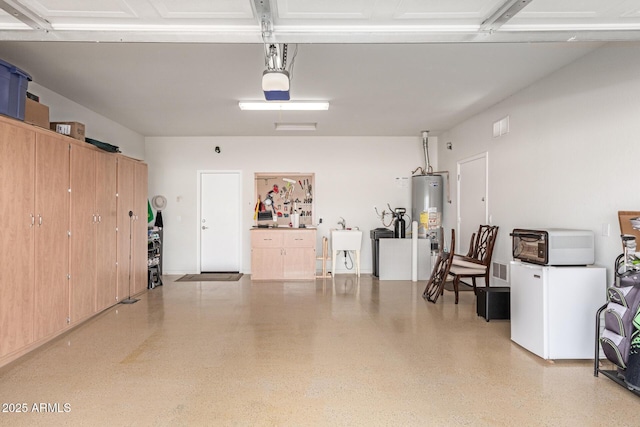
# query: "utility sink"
346 240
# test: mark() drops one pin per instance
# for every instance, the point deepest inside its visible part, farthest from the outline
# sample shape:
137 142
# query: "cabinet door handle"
39 220
537 276
33 220
99 218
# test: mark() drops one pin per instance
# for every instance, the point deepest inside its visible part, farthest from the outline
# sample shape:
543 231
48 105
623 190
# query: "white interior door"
472 199
219 221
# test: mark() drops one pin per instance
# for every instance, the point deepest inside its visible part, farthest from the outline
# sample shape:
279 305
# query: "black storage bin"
493 302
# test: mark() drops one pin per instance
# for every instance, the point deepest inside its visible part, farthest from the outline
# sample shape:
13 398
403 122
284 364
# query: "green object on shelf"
149 212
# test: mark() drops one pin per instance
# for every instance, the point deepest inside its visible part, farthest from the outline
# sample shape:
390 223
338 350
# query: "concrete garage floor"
341 353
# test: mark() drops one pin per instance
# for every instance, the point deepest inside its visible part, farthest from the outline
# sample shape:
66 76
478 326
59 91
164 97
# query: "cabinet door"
267 255
267 263
299 263
140 238
300 254
124 223
106 277
83 233
17 175
52 237
574 294
527 307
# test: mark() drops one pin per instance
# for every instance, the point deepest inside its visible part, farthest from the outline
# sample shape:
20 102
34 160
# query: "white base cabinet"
553 309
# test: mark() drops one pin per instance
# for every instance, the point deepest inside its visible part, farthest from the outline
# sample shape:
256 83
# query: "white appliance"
553 309
553 246
426 205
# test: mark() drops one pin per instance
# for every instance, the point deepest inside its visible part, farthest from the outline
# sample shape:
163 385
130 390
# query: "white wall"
352 175
97 127
571 157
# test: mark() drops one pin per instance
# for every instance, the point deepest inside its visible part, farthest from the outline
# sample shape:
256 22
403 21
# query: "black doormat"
211 277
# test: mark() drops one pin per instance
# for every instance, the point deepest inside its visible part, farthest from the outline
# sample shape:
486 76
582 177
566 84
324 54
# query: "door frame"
199 208
459 163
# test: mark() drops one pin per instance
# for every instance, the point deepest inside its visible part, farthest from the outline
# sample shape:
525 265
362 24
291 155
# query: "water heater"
426 206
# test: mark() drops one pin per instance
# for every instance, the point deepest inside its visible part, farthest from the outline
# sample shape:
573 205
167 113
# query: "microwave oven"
553 246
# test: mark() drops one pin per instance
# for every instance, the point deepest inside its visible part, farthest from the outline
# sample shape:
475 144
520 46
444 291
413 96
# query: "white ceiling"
388 67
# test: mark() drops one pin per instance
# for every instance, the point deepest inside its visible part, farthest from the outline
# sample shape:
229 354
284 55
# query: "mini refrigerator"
553 308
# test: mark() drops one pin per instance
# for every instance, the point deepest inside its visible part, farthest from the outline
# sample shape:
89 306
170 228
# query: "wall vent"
500 271
501 127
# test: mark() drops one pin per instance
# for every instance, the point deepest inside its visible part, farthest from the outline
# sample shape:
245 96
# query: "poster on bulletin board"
279 196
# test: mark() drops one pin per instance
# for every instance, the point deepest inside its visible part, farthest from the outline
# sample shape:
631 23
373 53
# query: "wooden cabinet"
93 232
17 240
106 262
132 227
52 235
267 261
59 239
286 254
83 234
34 206
140 231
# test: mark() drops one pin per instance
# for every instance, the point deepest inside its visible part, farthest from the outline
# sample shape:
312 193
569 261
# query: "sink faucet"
343 223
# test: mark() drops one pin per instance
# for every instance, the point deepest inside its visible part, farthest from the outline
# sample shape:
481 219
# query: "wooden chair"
477 262
440 272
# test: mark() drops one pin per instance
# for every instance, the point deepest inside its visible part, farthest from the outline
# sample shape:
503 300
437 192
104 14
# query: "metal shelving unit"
154 258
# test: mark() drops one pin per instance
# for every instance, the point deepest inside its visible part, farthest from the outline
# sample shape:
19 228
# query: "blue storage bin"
13 90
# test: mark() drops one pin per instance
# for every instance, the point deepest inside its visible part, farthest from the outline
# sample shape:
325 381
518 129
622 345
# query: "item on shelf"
75 130
154 254
103 145
36 113
34 98
13 90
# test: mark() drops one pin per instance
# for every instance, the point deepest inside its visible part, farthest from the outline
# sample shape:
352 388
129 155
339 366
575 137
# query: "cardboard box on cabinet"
72 129
36 113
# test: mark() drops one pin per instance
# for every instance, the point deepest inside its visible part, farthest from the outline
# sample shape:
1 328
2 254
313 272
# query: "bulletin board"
278 195
625 224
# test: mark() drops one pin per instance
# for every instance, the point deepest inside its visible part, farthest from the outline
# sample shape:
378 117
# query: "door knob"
204 227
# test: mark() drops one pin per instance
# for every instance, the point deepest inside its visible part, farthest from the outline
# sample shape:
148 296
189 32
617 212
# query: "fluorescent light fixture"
153 28
366 29
283 106
296 126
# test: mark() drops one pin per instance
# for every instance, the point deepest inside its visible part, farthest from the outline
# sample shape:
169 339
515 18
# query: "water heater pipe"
414 251
428 170
425 148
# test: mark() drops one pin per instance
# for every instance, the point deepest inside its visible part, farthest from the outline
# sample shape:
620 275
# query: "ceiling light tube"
153 28
296 126
284 106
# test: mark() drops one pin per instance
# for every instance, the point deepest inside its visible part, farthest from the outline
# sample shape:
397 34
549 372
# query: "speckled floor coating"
348 353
